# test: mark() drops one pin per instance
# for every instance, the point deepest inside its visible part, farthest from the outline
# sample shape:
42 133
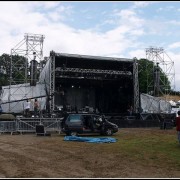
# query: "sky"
122 29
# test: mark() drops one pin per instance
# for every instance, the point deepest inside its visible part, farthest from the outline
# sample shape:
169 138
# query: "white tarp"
151 104
25 91
44 76
20 92
172 103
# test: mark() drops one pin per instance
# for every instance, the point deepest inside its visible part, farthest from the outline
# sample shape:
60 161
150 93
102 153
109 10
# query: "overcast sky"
110 28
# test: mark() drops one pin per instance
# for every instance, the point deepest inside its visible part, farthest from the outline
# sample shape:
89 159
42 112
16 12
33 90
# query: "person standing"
36 107
27 108
130 110
178 126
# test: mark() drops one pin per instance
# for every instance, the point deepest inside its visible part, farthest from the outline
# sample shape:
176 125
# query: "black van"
88 123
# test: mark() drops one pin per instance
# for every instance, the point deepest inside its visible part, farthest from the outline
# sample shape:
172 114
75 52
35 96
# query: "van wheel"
108 132
67 134
73 133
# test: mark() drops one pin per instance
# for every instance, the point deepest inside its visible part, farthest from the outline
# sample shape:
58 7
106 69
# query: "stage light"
72 86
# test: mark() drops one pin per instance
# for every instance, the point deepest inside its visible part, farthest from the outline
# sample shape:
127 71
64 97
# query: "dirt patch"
31 156
175 98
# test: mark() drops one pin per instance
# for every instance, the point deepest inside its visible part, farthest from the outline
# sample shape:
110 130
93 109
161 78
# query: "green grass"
147 146
138 152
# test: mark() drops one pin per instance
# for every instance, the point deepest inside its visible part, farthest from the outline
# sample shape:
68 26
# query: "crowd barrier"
24 125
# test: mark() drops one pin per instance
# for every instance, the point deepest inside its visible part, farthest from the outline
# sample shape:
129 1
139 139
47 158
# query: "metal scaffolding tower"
160 75
26 51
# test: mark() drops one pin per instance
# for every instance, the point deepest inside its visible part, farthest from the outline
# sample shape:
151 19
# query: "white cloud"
50 4
130 18
40 5
159 9
137 32
141 4
167 8
156 27
54 16
134 24
176 59
174 22
140 53
174 45
125 17
60 37
88 42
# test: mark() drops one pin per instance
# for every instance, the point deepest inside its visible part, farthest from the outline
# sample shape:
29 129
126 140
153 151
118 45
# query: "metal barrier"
26 125
29 125
7 126
52 124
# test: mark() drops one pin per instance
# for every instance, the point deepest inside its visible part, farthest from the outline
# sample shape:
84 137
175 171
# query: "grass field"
138 153
150 147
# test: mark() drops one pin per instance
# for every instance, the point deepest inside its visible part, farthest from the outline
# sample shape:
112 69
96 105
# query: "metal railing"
26 125
29 125
7 126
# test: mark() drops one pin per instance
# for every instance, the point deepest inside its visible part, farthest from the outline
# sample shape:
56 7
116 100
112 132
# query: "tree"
18 68
5 66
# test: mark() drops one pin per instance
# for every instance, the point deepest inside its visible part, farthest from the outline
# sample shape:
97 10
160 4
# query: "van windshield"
74 118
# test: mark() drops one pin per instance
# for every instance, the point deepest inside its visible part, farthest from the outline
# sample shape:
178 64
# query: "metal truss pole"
52 80
136 86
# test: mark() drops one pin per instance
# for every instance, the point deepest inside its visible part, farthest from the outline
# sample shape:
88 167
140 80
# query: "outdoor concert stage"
105 84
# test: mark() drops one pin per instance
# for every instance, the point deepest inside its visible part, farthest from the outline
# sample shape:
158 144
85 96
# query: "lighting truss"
93 71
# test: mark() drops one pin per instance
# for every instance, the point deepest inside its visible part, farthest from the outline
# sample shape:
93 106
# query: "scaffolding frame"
161 75
156 81
29 48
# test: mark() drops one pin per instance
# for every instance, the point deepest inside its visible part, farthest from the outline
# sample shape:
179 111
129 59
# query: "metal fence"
24 125
29 125
7 126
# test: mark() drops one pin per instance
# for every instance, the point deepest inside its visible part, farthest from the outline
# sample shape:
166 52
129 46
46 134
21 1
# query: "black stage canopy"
100 83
